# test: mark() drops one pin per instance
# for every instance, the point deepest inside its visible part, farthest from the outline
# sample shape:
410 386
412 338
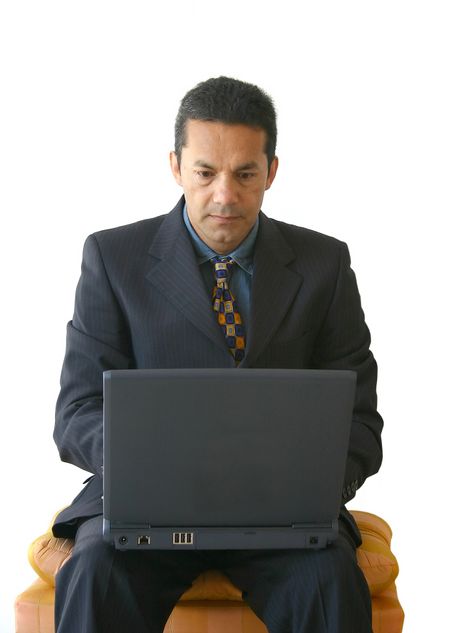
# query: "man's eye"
204 174
246 175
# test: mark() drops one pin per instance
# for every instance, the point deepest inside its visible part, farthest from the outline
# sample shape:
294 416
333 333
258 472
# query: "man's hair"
231 101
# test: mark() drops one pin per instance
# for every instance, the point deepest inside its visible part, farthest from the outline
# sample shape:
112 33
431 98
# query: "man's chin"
225 244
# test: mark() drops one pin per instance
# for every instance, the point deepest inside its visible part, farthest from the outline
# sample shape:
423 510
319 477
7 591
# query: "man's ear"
174 166
272 172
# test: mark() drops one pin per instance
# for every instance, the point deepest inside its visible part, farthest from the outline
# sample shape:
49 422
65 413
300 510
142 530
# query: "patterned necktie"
227 314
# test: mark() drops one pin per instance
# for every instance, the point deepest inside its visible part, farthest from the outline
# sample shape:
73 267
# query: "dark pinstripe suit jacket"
141 302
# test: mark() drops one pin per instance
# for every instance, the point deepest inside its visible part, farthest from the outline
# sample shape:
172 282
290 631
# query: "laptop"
225 458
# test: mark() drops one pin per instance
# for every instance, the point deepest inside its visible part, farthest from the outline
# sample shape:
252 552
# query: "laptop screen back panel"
224 448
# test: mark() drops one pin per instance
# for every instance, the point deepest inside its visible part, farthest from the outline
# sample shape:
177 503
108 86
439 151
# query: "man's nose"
225 191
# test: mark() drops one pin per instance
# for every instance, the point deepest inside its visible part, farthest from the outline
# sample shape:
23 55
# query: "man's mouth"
223 219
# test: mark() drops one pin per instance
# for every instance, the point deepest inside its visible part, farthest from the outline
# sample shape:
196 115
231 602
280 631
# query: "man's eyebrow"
202 163
244 167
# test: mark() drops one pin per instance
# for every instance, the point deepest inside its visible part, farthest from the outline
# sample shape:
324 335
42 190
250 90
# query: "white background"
89 95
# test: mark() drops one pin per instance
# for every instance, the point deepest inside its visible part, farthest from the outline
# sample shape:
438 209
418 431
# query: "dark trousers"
102 590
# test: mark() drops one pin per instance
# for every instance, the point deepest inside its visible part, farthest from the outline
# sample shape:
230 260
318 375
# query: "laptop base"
218 538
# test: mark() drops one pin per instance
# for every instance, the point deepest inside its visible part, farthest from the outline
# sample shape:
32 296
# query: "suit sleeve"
97 340
343 343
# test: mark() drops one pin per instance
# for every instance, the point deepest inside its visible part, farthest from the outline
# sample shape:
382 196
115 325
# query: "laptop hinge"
313 526
119 525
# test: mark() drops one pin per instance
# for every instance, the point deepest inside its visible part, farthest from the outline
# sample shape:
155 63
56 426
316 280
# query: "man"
144 300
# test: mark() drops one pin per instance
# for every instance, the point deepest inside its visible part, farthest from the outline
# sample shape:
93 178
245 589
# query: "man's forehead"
197 127
209 137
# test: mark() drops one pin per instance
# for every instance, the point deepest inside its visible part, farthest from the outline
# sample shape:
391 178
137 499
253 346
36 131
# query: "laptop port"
183 538
144 539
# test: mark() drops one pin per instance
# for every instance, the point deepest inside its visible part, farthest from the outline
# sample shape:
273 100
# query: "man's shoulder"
138 235
130 233
302 239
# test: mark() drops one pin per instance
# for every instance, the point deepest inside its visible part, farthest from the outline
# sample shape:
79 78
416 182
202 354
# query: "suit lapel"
177 276
274 287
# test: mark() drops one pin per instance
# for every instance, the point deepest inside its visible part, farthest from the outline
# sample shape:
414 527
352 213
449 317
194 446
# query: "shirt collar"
242 255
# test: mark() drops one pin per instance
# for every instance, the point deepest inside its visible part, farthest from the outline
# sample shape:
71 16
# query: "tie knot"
222 268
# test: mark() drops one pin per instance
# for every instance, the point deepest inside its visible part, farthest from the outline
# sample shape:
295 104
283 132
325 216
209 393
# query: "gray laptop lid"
217 454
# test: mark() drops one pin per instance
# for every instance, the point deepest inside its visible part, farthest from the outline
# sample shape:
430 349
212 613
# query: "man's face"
224 174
